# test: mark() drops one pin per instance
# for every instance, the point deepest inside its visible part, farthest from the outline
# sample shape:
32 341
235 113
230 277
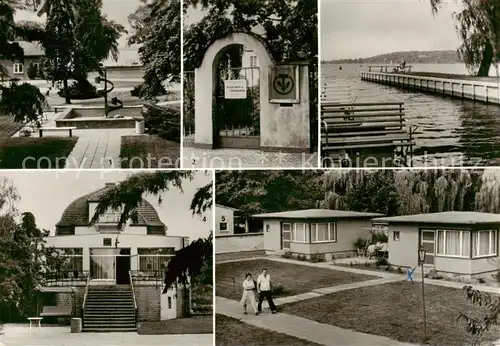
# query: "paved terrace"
19 335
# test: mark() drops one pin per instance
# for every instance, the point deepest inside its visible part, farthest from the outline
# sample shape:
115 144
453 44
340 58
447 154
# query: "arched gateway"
283 100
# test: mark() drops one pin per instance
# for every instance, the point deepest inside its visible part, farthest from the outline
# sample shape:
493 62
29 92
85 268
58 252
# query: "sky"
46 194
359 29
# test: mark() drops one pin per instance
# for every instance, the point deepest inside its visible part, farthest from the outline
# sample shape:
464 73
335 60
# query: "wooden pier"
389 68
488 92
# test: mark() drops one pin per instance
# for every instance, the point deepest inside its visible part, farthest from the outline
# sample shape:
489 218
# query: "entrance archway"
280 127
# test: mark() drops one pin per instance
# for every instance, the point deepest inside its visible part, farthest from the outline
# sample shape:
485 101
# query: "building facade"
33 55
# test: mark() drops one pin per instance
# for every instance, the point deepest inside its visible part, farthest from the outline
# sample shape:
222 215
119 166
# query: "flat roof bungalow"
311 231
463 243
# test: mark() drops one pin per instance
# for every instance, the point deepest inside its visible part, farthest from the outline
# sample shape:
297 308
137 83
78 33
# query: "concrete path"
241 158
19 335
302 328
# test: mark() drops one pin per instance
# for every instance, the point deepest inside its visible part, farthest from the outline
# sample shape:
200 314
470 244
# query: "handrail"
133 294
86 293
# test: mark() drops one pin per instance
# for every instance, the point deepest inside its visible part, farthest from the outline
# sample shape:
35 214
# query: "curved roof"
77 213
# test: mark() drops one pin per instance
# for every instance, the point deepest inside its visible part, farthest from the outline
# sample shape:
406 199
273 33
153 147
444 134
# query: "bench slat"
367 133
350 113
380 122
363 104
338 109
367 145
362 126
369 139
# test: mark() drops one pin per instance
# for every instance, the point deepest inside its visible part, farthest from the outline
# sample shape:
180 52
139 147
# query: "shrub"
163 122
381 261
351 263
32 71
81 90
317 257
287 254
360 243
301 257
380 237
388 268
367 264
278 290
481 280
399 270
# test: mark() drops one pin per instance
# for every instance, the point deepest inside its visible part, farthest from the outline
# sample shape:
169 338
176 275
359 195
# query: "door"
123 267
428 242
286 235
103 263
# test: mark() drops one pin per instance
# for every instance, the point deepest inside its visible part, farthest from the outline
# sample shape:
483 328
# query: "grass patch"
8 127
48 152
149 152
295 278
230 331
394 310
191 325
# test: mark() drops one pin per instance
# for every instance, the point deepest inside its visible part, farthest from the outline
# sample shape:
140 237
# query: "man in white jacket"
264 287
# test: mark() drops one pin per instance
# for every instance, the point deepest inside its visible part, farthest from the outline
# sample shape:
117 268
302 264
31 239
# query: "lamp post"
421 261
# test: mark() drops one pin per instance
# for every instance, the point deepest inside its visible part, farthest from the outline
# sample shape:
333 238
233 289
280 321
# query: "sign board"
284 88
235 89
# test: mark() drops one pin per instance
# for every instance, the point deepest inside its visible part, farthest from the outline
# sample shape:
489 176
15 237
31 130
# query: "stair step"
109 318
108 330
100 324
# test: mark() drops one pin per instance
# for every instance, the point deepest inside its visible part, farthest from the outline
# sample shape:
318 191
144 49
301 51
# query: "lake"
450 132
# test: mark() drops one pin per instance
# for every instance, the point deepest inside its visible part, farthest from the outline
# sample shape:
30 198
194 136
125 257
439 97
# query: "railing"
67 278
478 91
85 295
133 295
384 68
156 276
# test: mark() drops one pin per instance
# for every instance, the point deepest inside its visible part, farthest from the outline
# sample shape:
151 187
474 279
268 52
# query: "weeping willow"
405 192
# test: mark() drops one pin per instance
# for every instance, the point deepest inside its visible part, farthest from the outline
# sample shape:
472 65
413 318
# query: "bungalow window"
484 243
299 233
154 259
323 232
453 243
396 235
223 226
18 68
72 260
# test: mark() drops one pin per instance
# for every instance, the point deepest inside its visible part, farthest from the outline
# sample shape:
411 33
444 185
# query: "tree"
477 326
478 25
78 38
157 26
190 261
289 26
253 192
23 101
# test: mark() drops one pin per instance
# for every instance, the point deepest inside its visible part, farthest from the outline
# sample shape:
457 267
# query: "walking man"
264 287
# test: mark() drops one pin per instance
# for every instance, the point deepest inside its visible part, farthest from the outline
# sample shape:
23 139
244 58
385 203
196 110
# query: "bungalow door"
428 242
286 235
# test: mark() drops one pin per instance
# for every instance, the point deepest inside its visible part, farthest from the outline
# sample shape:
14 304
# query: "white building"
224 220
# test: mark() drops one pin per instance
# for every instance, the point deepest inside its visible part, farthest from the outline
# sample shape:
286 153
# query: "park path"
302 328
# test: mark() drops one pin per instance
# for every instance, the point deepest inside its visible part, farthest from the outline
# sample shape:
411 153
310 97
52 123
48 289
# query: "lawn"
8 127
149 152
394 310
294 278
22 152
190 325
230 331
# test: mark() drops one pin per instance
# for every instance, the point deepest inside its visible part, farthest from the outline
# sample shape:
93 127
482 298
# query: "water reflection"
450 132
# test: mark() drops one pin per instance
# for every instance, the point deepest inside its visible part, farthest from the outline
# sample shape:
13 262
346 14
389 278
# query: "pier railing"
487 92
351 128
389 68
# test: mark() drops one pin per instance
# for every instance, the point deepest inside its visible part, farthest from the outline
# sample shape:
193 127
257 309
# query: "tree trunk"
484 68
66 90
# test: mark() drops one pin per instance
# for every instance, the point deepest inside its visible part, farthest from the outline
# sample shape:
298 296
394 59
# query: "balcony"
67 278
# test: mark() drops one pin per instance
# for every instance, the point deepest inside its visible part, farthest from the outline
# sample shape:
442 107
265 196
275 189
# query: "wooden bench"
56 311
357 127
69 129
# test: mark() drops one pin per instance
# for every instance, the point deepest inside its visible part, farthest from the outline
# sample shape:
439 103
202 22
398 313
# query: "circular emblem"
283 84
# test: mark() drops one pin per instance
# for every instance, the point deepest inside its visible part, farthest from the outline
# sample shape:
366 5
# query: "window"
111 216
253 61
299 233
170 302
223 226
154 259
395 236
453 243
106 242
156 230
72 260
18 68
323 232
484 243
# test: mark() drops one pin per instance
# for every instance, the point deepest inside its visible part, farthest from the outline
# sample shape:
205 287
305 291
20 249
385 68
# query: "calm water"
450 131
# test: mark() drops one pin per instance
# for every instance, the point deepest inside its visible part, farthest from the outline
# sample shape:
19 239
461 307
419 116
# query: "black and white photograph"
90 84
250 84
115 258
409 83
357 257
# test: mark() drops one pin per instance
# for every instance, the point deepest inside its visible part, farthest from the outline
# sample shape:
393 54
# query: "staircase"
109 309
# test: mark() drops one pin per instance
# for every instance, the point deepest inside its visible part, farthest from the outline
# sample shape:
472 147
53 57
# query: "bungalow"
102 260
224 220
33 54
459 243
315 231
